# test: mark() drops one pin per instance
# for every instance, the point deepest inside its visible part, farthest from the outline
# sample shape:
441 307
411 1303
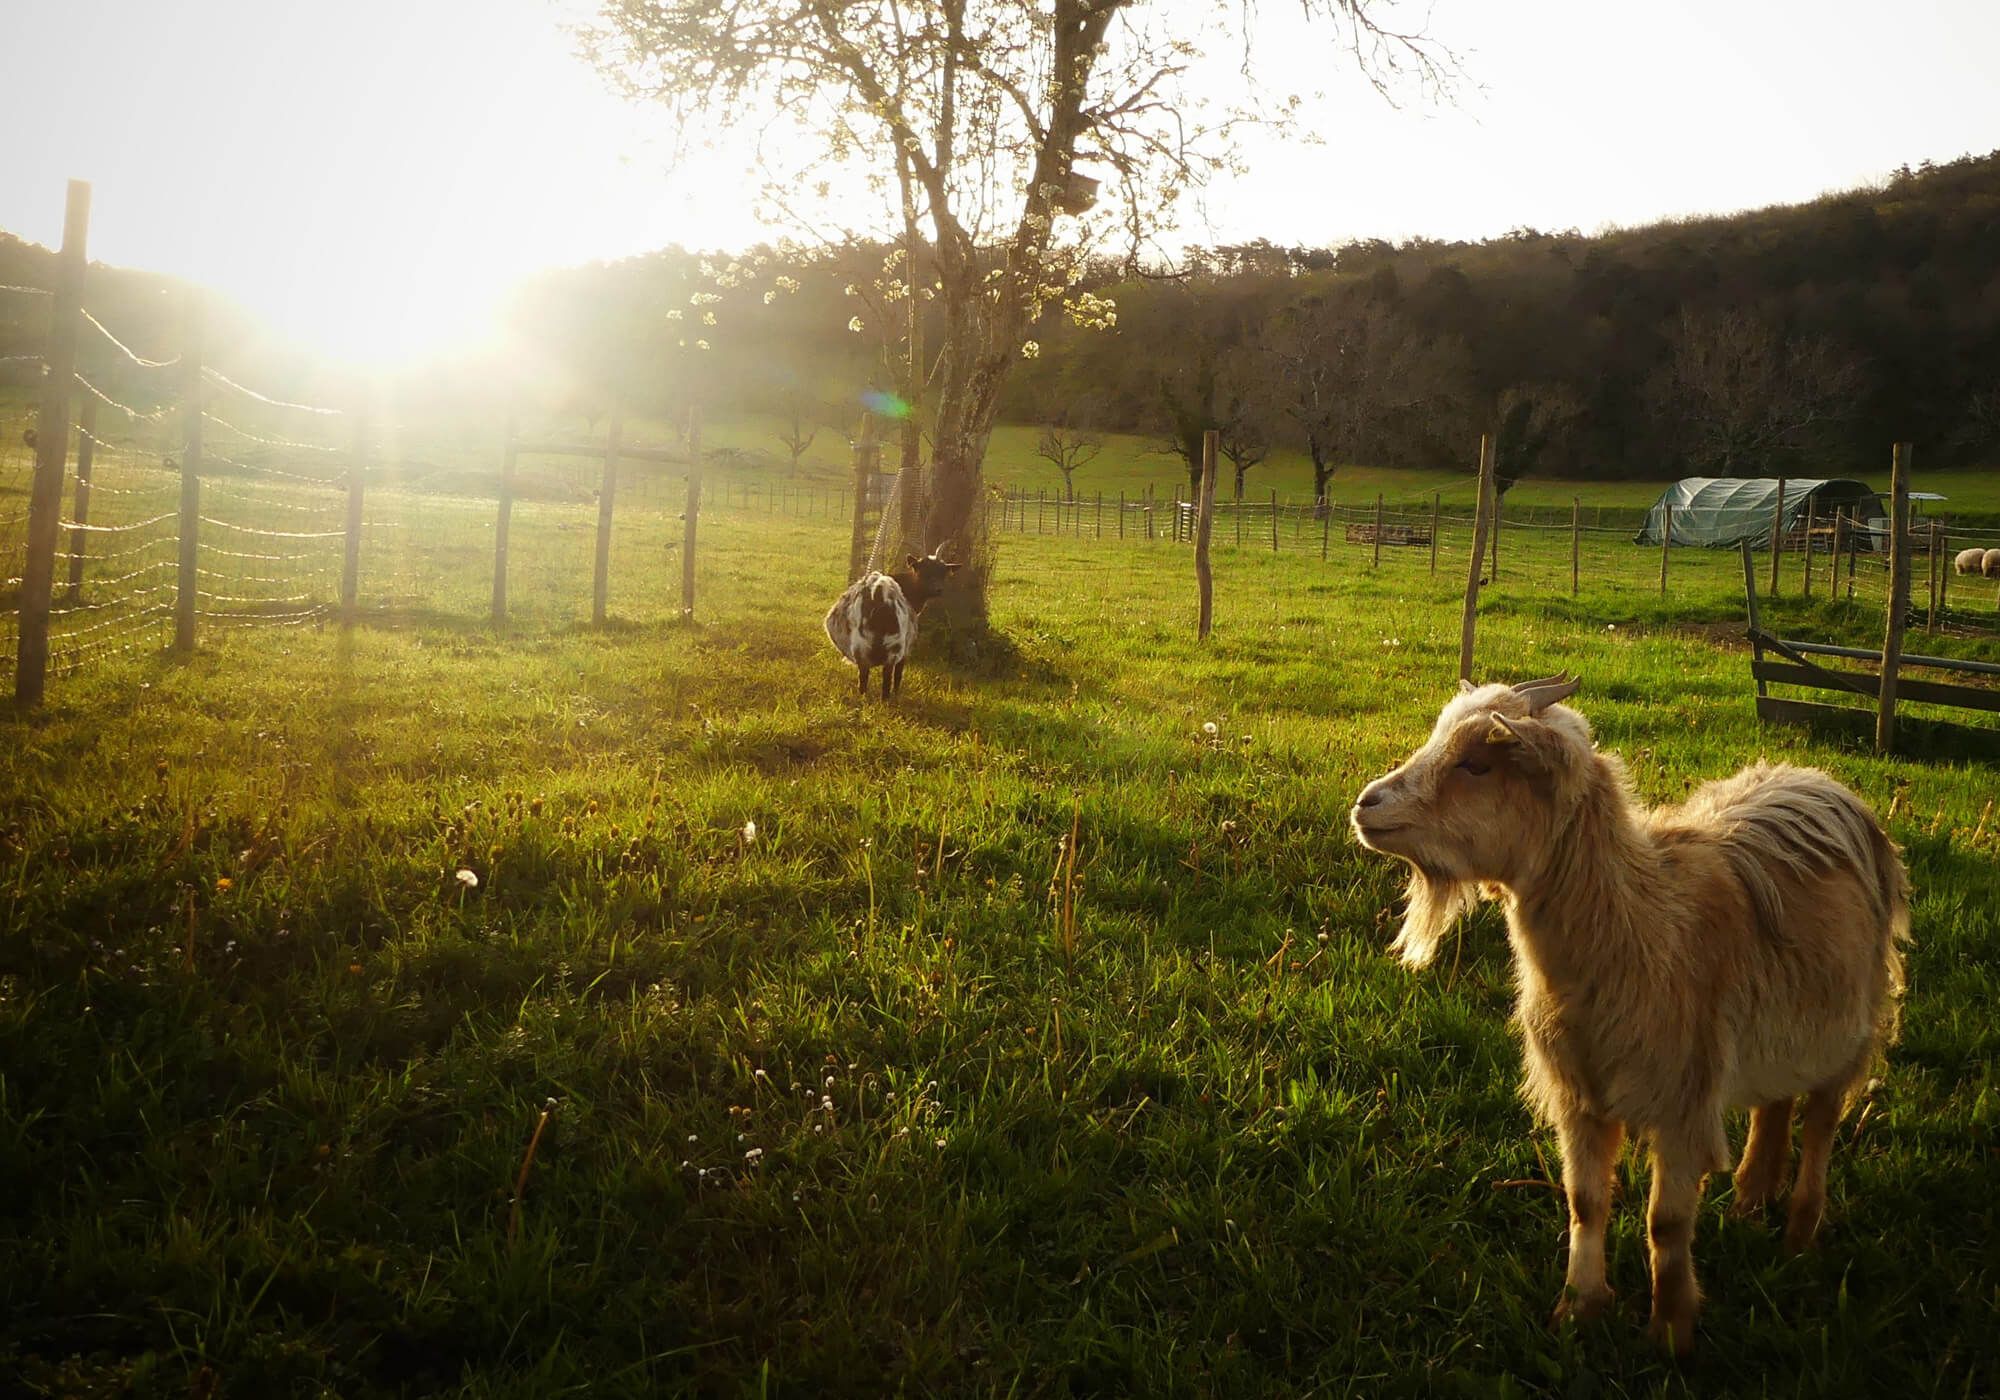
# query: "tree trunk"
1240 473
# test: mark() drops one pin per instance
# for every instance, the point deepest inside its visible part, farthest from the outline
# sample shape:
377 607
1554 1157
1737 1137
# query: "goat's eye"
1474 767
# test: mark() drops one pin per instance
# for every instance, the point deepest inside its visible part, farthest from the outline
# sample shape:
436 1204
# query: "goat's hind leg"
1760 1174
1589 1153
1817 1123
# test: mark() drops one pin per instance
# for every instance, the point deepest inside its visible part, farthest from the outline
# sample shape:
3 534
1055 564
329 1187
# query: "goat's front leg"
864 680
1589 1152
1678 1173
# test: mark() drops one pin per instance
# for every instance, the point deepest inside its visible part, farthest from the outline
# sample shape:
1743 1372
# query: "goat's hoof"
1674 1335
1581 1307
1751 1204
1799 1236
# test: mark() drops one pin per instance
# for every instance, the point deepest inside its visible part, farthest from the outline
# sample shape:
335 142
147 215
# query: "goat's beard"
1435 902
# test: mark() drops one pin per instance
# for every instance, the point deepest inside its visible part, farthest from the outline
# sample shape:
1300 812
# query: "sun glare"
369 180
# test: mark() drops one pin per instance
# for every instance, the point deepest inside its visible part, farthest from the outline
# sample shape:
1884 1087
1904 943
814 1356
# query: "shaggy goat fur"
1741 949
874 621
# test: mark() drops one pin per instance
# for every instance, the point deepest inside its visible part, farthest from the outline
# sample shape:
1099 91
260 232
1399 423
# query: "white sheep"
1968 561
1990 565
1741 949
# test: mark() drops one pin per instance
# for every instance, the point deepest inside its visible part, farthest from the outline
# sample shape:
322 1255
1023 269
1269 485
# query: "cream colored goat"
1739 950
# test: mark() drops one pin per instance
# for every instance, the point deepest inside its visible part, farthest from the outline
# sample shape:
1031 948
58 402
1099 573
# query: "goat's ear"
912 560
1465 687
1532 744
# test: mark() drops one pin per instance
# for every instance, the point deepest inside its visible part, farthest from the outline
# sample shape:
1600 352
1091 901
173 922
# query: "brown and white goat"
874 622
1741 949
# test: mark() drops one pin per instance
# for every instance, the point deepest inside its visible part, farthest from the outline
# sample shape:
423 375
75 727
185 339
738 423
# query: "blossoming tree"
961 124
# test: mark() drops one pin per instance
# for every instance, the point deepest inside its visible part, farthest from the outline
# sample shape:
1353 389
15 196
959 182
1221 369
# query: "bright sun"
369 179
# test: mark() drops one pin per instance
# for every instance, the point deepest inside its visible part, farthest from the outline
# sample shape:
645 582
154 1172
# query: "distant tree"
1531 418
1743 397
797 423
1243 441
1069 442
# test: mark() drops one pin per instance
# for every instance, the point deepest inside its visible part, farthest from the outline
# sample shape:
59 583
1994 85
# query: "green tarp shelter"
1721 512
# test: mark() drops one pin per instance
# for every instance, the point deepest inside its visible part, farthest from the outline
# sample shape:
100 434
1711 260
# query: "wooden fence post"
1805 572
1100 514
1238 506
1899 594
1479 515
1436 498
1494 515
1930 615
1853 550
607 493
690 527
1121 515
79 538
505 520
1575 543
1666 544
859 544
1274 522
350 555
1376 561
1204 577
190 521
1941 546
51 450
1325 531
1777 534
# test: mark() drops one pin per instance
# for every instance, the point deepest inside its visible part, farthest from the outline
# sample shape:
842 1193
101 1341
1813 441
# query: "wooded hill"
1798 339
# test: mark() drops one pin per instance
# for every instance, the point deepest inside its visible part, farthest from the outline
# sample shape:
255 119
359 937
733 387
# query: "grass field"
847 1105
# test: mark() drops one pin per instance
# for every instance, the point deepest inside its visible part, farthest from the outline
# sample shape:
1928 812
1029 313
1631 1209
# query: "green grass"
268 1068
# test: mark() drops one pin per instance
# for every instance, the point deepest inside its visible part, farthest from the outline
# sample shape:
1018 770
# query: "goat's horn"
1542 694
1523 687
1465 685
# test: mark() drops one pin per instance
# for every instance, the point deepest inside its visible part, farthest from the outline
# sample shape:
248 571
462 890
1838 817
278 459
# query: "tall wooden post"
1575 543
607 494
1325 531
350 560
1805 571
51 450
1121 515
1777 534
1666 544
1899 594
1479 521
190 523
859 543
1376 561
79 538
689 529
1436 498
1238 506
1100 515
1204 520
504 523
1839 548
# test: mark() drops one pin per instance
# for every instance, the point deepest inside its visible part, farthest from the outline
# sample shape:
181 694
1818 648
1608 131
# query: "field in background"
844 1101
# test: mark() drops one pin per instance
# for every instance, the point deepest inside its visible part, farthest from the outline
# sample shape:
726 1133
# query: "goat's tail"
1893 885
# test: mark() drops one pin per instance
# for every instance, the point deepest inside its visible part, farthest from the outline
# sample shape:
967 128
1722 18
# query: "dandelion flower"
749 833
1210 730
223 884
468 879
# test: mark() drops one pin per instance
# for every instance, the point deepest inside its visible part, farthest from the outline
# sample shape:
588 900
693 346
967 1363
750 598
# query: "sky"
371 176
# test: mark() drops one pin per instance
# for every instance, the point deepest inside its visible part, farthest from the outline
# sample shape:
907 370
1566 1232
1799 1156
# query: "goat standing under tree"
874 622
1740 950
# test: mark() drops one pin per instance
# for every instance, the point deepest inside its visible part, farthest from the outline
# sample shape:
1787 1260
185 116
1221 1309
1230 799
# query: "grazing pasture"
1033 1034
